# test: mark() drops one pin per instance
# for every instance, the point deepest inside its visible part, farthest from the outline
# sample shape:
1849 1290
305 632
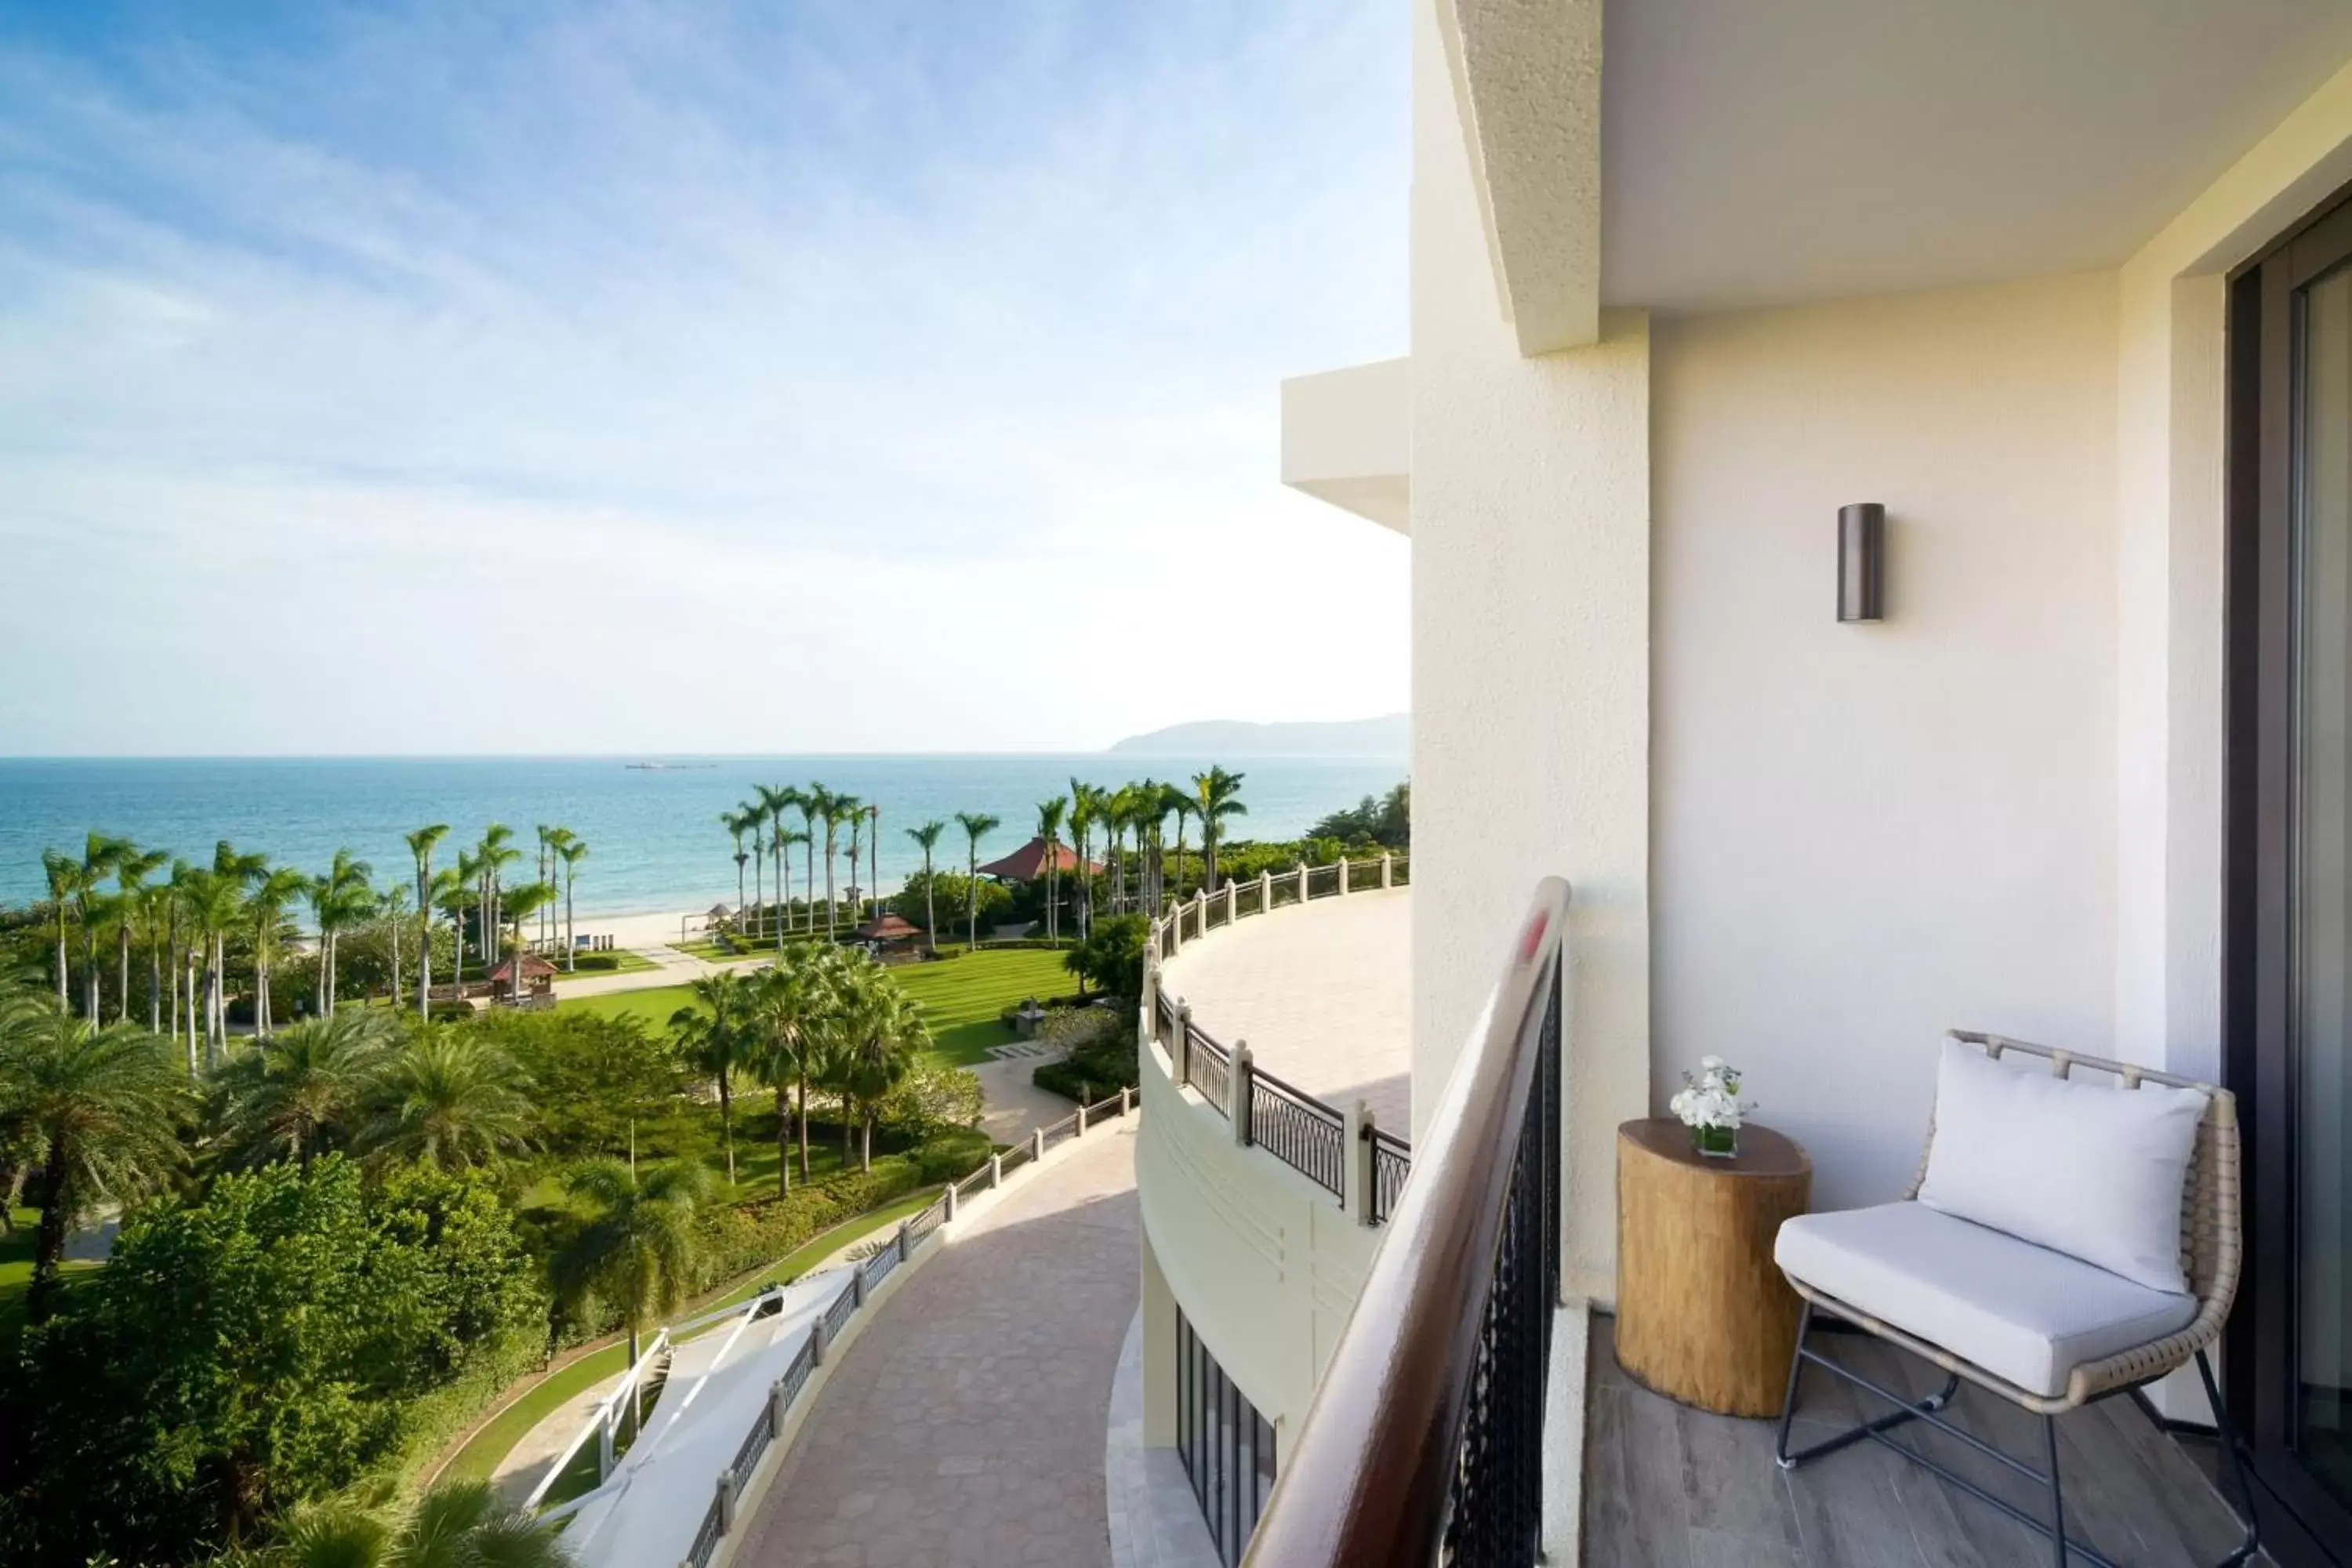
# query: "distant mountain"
1389 735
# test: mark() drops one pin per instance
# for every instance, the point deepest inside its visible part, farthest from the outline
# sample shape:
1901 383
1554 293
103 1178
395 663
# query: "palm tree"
266 909
519 904
392 911
714 1032
786 838
1087 803
542 869
786 1000
451 1098
1216 795
927 836
755 822
65 880
452 895
877 1033
977 825
131 869
494 856
774 801
637 1252
421 845
474 880
810 801
299 1089
214 903
102 853
455 1523
572 851
104 1106
1049 829
1177 801
839 808
874 856
339 901
738 823
159 907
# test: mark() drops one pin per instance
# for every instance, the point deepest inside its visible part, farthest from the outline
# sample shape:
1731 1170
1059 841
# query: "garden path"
964 1428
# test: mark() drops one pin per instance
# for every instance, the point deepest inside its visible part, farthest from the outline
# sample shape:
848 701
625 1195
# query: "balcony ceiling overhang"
1347 438
1759 155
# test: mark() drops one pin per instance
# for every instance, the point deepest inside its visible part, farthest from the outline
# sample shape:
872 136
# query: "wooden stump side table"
1703 1314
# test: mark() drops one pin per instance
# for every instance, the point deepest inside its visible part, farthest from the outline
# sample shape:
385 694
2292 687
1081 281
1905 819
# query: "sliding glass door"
2291 896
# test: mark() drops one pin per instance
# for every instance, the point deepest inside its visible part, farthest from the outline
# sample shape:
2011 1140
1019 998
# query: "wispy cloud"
871 375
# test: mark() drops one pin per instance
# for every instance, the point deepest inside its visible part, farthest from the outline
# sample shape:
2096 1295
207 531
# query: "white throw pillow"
2090 1169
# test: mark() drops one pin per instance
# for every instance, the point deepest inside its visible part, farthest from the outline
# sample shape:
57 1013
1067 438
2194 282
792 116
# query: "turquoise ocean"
655 841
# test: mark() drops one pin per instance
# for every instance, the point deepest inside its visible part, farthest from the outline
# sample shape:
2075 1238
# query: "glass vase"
1715 1142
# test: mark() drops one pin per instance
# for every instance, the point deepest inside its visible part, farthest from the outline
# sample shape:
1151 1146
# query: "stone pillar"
1126 1100
904 1249
1302 882
948 1198
726 1501
820 1341
1036 1143
1183 1051
1232 907
1237 1090
1388 871
778 1406
1175 926
1343 875
857 1284
996 1170
1356 1163
1265 891
1082 1112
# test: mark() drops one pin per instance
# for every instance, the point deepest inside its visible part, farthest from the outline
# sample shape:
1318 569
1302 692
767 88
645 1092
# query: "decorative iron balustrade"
1424 1443
1300 1130
1391 1163
706 1540
1208 1067
1058 1133
837 1316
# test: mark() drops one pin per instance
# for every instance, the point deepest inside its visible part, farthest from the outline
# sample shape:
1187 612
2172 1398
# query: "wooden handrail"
1367 1481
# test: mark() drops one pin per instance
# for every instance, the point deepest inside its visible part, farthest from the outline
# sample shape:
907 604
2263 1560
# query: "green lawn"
961 998
17 1271
630 963
481 1456
755 1158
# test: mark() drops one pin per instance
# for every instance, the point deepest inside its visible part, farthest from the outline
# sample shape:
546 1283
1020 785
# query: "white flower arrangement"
1712 1098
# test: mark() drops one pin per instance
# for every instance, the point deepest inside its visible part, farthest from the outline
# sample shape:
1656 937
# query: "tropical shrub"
1110 959
932 1097
1098 1068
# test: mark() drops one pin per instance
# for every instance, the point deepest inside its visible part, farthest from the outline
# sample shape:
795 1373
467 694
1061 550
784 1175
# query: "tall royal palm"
65 877
1217 796
928 838
636 1251
1049 832
131 869
874 856
843 808
775 800
571 852
976 825
755 823
519 904
214 905
738 823
714 1032
102 852
340 900
266 908
1178 800
421 845
810 801
104 1106
788 839
495 854
1087 804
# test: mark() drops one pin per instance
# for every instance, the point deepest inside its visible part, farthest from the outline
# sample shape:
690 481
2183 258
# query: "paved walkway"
1346 1036
964 1428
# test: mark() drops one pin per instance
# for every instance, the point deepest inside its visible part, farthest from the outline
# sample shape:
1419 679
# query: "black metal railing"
1208 1067
932 1217
1322 881
1424 1442
1300 1130
879 1262
796 1375
706 1540
837 1316
1059 1132
1391 1163
755 1441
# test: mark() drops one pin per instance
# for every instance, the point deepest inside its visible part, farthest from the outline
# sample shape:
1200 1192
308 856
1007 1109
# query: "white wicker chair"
2210 1240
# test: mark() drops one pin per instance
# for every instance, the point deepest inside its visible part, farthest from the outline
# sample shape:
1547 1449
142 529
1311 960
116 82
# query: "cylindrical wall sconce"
1861 561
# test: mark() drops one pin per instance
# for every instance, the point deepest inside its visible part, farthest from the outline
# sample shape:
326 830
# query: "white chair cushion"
2094 1170
2021 1312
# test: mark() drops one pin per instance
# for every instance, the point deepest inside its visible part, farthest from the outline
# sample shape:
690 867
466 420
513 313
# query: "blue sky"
811 377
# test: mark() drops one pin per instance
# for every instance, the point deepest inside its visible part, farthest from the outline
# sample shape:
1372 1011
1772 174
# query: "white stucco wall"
1864 834
1530 629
